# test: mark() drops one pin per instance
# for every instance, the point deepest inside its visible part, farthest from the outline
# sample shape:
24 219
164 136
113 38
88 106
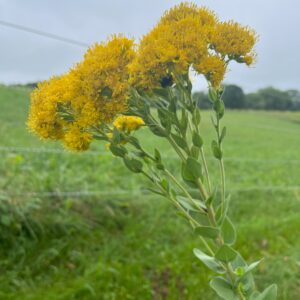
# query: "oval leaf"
223 289
228 232
226 254
207 231
216 150
209 261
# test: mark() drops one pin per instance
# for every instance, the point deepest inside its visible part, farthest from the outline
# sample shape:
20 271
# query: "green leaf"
209 261
163 92
270 293
216 150
219 108
252 266
183 201
165 185
213 95
157 130
195 151
157 155
133 164
223 289
179 141
194 167
210 200
226 254
158 192
246 279
184 121
207 231
117 150
163 117
187 176
197 117
172 106
223 134
254 295
228 231
134 141
197 140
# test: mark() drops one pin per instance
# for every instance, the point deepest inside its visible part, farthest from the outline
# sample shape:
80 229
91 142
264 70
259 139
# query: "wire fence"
135 192
40 150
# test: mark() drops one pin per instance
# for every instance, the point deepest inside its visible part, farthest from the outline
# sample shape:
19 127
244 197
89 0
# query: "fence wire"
107 154
123 192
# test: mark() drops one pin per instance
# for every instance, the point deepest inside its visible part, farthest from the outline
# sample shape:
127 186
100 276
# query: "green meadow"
80 226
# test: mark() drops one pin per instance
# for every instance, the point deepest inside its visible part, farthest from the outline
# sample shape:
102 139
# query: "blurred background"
79 226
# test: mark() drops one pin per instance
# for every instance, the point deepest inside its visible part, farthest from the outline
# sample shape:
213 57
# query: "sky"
25 57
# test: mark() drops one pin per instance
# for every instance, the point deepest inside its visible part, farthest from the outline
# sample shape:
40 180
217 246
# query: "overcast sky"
27 57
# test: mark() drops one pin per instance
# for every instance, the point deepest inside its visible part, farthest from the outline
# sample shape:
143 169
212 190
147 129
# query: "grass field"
80 226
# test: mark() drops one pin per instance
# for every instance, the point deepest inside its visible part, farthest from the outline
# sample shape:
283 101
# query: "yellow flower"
94 91
43 117
128 123
233 40
249 59
179 40
213 68
77 140
103 76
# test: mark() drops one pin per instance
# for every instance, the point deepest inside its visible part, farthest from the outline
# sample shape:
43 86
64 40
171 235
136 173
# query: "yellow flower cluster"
128 123
213 68
95 91
190 36
177 41
233 40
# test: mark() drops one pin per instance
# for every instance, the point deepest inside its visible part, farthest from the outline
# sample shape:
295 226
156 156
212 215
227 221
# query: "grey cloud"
26 57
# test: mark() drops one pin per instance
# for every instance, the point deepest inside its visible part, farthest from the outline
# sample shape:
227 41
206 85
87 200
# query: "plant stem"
222 170
184 191
176 148
205 169
221 164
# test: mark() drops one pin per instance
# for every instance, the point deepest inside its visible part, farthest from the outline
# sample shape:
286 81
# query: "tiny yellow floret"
128 123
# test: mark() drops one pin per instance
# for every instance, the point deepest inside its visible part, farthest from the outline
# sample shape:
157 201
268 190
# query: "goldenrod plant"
120 87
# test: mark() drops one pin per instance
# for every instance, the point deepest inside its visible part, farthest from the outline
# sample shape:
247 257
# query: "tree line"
264 99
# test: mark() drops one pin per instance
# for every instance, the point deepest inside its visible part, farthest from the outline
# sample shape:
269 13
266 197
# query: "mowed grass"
80 226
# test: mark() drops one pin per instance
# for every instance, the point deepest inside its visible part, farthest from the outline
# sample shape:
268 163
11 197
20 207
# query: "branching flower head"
179 40
103 75
93 92
97 89
234 41
44 118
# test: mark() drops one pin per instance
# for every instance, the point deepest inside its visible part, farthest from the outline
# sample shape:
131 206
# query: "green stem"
184 191
205 169
202 189
222 170
176 148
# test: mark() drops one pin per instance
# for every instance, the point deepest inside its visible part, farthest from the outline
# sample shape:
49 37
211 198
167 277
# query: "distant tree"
264 99
202 100
234 97
275 99
295 97
254 101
